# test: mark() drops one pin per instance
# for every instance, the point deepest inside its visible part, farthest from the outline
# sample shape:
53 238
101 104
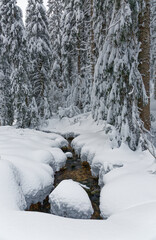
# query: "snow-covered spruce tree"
118 83
69 53
76 53
82 74
101 20
5 67
3 82
3 116
21 86
3 105
88 54
16 51
55 10
40 54
153 44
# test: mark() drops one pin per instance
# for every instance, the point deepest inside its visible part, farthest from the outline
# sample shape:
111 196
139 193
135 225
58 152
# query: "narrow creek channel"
79 172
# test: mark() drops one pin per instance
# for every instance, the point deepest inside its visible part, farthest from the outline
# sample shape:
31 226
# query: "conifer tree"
3 117
118 83
40 54
76 54
21 86
3 81
16 51
68 51
55 10
101 21
5 66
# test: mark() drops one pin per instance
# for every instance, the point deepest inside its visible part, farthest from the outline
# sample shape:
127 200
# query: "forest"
78 119
86 56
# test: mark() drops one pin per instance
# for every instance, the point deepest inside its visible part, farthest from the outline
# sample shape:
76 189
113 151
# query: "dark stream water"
79 172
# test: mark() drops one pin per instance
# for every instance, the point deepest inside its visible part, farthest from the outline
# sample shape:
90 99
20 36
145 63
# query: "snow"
28 161
11 195
136 223
74 126
69 154
69 199
125 176
127 191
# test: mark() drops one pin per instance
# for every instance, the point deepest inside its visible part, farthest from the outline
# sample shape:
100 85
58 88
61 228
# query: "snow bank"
126 192
124 175
28 159
71 127
128 186
69 199
11 195
136 223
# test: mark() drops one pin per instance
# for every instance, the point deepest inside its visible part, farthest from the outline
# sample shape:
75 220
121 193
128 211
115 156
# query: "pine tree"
88 57
68 51
21 86
40 54
3 81
101 21
16 51
118 83
5 66
76 53
3 117
55 10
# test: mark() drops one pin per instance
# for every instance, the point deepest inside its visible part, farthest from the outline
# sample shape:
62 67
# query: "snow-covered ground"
28 161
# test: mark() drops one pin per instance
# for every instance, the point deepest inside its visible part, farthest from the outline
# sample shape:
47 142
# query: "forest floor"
28 161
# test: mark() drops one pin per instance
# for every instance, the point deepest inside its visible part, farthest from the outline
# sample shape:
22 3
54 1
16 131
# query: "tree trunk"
144 60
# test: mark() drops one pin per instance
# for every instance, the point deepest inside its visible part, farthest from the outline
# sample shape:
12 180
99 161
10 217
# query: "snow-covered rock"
69 154
69 199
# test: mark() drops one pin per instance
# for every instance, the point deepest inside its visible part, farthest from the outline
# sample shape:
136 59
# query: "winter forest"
78 120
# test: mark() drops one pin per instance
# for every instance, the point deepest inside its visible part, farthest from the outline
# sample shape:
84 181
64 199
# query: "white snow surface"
69 199
128 187
27 160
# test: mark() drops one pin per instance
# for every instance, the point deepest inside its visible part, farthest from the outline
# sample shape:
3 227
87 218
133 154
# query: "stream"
79 172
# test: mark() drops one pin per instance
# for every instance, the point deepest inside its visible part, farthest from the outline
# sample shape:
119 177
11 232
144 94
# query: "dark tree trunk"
144 60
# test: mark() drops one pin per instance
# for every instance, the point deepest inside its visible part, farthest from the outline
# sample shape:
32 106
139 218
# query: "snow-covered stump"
69 199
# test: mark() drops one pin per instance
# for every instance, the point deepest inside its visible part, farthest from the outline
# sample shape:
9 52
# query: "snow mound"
29 158
69 199
60 158
11 195
127 191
